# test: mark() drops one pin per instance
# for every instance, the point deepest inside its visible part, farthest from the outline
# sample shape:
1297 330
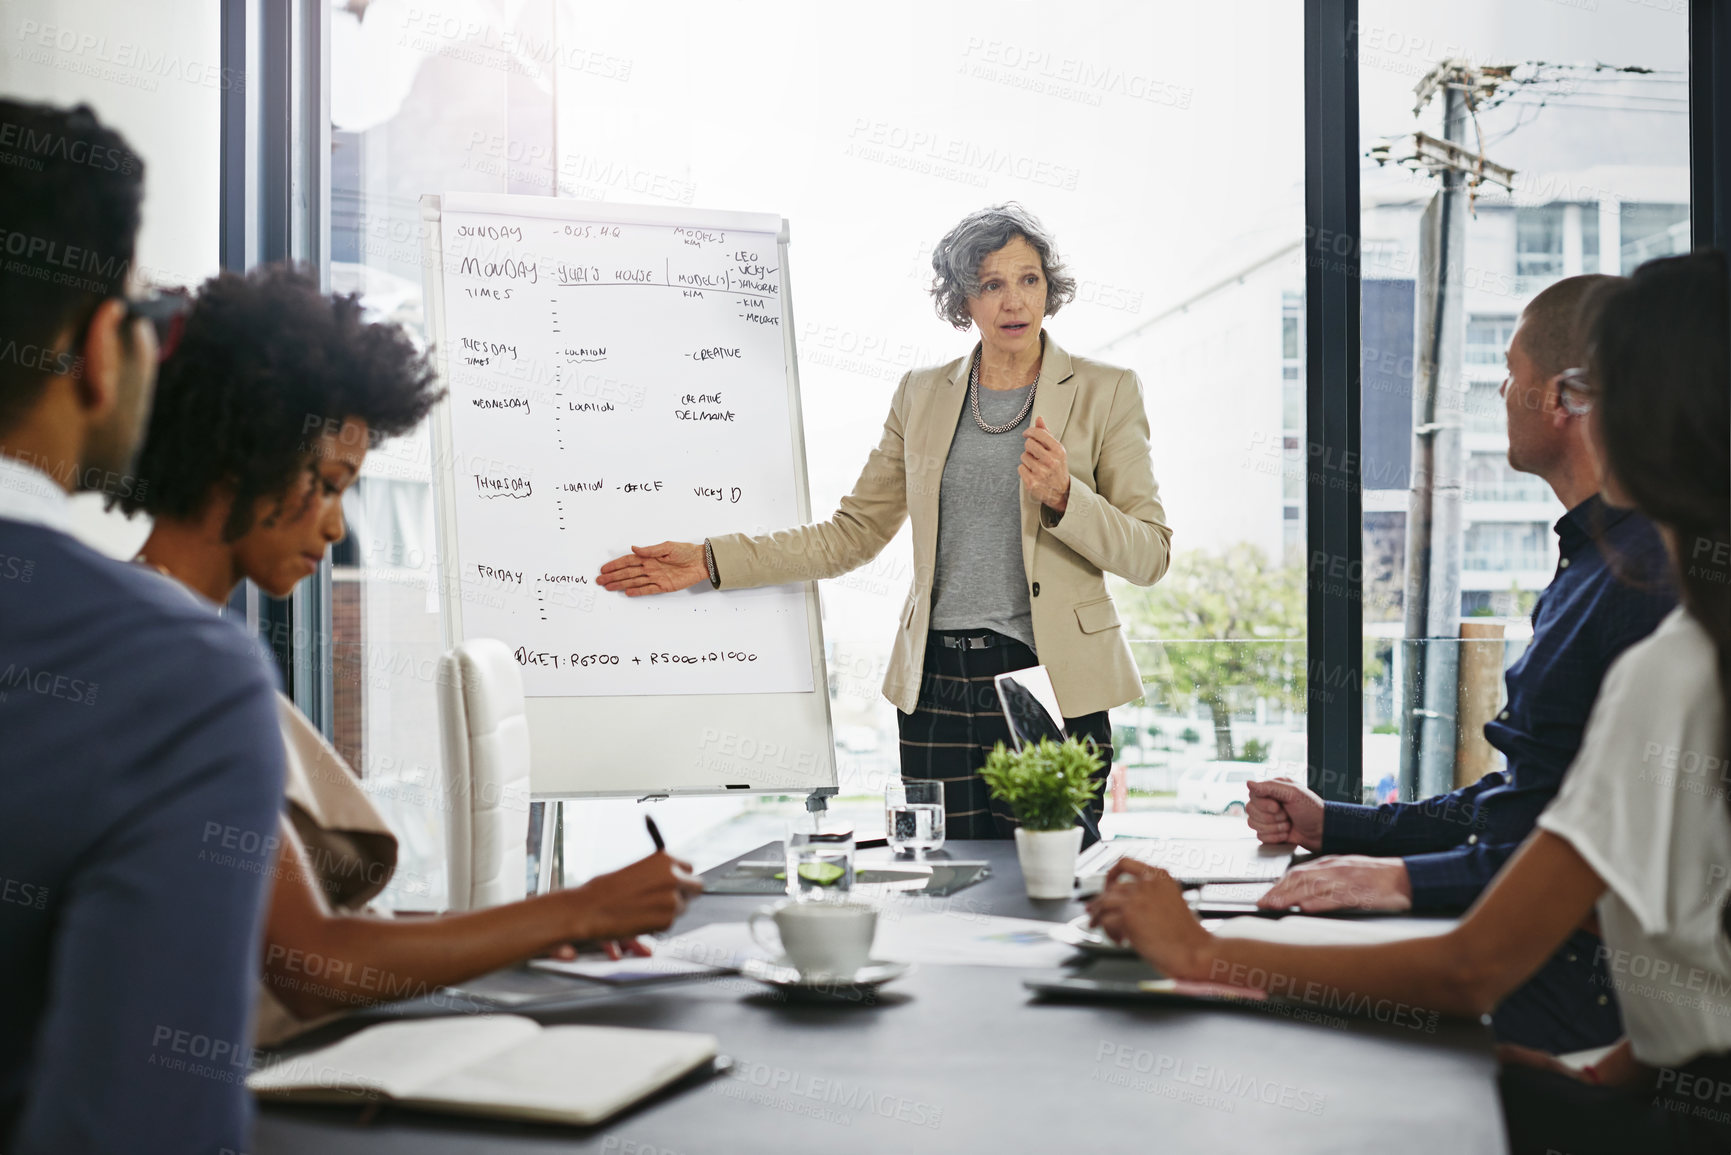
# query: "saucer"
1079 934
783 975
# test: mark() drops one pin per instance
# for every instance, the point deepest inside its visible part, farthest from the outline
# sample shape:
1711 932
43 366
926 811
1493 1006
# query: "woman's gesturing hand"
1144 906
1045 467
655 569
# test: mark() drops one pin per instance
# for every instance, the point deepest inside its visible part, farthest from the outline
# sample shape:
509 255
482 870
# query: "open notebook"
498 1065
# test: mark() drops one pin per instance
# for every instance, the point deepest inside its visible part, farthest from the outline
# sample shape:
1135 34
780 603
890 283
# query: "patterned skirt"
958 720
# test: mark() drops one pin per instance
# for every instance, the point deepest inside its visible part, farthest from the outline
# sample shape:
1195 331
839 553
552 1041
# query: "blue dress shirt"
1610 590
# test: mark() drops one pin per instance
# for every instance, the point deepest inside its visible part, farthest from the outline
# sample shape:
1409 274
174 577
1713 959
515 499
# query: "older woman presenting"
1025 471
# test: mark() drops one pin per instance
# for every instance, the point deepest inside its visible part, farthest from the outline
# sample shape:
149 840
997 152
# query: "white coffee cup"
821 939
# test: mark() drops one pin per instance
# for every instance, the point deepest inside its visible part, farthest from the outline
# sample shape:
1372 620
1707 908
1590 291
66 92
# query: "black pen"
655 833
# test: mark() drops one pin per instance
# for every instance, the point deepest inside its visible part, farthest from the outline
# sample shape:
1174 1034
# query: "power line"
1563 97
1207 291
1608 106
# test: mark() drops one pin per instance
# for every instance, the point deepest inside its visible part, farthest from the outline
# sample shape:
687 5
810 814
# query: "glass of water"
914 816
819 866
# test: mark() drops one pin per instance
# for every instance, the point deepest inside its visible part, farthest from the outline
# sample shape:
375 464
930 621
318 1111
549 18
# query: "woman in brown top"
238 490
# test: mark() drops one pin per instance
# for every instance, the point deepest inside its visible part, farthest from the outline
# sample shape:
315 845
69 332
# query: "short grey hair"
956 260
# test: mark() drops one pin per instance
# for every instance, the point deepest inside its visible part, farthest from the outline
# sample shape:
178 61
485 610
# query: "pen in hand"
626 947
686 882
623 948
619 949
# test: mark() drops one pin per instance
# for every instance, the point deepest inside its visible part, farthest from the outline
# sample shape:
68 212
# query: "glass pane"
1538 246
1600 163
1450 752
1483 411
1653 230
1487 338
410 99
870 175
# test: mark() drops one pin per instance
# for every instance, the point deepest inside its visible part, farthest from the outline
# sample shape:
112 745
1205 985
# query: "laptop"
1192 861
1030 706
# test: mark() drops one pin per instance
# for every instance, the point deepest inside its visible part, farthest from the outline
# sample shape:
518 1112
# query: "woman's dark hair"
265 364
1660 359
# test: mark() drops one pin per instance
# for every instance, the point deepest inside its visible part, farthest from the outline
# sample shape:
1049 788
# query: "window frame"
1709 125
1333 382
1334 501
275 206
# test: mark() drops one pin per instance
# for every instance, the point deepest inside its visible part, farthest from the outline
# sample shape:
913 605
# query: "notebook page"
1299 930
626 970
396 1059
940 938
570 1074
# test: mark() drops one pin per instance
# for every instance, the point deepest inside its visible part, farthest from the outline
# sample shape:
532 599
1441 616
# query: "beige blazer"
349 848
1113 523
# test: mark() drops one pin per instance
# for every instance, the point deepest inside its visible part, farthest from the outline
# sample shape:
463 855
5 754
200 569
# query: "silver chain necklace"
974 401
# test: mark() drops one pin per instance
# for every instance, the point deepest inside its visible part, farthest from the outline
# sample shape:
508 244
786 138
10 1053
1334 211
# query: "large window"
871 152
1124 127
1600 156
1538 246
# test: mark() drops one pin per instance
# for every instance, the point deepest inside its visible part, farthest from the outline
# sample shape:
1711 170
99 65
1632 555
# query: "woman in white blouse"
1640 834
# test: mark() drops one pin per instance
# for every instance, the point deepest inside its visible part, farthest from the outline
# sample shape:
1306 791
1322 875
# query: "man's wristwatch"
709 561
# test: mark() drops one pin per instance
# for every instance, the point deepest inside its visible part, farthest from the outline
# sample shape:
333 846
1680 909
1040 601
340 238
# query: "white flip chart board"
622 375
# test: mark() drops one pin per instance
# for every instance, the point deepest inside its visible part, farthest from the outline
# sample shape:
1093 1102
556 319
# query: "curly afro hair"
264 363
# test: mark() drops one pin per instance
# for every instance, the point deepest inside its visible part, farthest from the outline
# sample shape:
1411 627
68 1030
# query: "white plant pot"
1049 860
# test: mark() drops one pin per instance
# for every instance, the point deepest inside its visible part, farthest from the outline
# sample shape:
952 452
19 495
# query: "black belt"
969 641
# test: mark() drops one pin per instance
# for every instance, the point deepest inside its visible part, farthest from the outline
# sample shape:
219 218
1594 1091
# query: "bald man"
1608 592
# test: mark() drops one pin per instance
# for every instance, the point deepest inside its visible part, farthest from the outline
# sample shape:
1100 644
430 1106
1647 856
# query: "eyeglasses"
1575 392
166 311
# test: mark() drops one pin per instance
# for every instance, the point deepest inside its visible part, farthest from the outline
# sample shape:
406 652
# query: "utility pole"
1431 649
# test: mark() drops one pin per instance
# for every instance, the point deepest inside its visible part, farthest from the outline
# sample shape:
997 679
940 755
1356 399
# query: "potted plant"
1045 784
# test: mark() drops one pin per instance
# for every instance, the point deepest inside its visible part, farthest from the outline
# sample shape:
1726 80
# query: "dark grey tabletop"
961 1059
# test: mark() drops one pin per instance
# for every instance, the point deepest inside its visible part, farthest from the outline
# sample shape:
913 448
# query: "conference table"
959 1059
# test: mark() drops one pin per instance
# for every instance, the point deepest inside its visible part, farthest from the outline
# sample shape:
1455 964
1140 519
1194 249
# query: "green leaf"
1044 783
1222 629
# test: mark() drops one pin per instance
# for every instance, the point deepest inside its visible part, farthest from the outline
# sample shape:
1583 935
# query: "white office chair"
484 732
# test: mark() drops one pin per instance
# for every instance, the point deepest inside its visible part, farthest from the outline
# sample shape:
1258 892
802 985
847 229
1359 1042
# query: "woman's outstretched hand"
655 569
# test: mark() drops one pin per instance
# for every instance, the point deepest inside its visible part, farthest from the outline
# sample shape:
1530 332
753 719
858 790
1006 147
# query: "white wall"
152 72
1213 381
